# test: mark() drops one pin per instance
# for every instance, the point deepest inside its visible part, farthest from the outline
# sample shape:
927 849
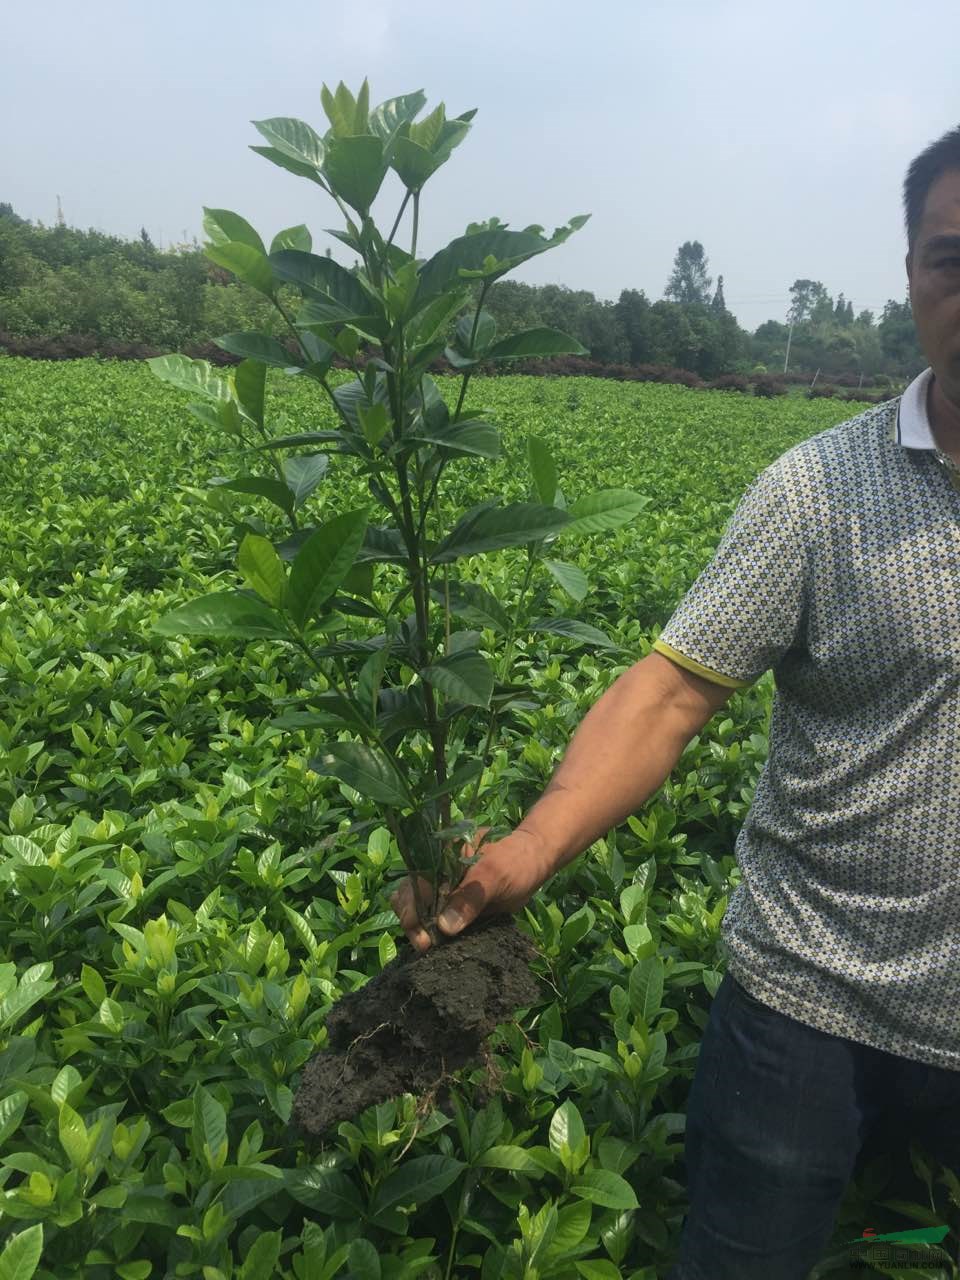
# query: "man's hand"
507 874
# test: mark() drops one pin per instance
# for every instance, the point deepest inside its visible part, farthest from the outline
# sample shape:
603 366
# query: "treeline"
68 292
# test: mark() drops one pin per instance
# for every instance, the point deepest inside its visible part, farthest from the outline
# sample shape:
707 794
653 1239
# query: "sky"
778 136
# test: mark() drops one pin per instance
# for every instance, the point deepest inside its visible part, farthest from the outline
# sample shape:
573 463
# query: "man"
840 571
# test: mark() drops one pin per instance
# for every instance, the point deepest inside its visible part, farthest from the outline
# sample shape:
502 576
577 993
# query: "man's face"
933 269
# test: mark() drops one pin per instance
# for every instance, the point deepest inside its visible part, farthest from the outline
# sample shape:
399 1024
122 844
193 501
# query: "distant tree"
689 282
866 319
718 303
807 297
840 313
145 240
898 339
636 324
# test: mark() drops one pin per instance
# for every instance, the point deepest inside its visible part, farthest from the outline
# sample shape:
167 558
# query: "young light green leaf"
223 227
262 569
322 563
566 1127
298 237
293 139
261 1258
248 264
607 509
21 1254
355 167
249 380
73 1136
195 376
570 576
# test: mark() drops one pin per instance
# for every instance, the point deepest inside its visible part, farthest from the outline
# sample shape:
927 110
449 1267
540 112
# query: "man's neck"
944 421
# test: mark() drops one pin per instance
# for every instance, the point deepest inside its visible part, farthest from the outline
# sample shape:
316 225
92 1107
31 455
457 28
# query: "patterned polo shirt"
840 572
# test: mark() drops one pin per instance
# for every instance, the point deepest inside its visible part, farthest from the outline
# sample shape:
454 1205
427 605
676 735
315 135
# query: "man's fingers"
403 903
466 902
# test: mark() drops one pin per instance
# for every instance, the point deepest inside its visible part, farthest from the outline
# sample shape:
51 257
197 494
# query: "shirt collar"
913 430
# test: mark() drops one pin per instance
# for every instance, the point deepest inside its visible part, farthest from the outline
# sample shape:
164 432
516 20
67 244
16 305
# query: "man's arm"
621 754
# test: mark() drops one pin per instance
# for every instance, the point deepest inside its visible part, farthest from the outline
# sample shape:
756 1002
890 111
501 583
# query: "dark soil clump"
421 1018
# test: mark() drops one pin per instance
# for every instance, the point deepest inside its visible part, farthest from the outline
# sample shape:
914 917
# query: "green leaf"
471 437
603 1187
566 1126
474 605
263 486
535 342
303 473
22 1254
599 1269
487 528
363 1260
466 677
261 1258
544 470
257 346
293 139
322 277
470 252
250 382
416 1181
224 227
570 577
73 1136
12 1110
574 629
262 569
608 509
326 1190
322 563
646 987
355 167
368 771
249 265
284 161
386 119
513 1158
195 376
298 237
436 315
134 1270
210 1128
225 613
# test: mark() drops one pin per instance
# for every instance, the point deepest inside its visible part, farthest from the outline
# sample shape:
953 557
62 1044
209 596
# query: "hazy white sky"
776 135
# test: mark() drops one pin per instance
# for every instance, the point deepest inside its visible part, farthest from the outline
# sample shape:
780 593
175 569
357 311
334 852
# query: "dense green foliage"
183 899
59 281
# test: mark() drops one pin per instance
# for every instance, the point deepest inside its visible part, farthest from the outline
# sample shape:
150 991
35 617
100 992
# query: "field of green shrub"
182 899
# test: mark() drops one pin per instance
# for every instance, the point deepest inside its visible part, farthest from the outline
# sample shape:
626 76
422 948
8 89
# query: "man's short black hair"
939 158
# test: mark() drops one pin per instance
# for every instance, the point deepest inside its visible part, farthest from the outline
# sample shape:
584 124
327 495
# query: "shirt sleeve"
746 609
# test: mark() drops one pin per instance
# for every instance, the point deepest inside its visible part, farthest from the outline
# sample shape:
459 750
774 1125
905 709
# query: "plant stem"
396 223
503 673
416 223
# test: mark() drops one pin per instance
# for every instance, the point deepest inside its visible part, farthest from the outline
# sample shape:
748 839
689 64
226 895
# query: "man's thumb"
456 915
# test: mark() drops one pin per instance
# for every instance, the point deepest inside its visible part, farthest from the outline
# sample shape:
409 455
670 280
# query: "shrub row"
75 346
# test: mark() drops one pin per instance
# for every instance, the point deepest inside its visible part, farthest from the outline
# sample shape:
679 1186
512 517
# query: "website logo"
920 1248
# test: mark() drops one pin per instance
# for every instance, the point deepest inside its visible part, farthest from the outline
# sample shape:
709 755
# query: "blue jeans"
777 1116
